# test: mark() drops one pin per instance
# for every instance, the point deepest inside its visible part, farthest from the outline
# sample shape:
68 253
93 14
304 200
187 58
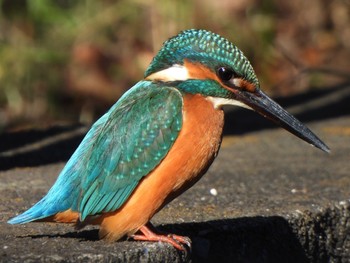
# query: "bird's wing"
123 146
126 144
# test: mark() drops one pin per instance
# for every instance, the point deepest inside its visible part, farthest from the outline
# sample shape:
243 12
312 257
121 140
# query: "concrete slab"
268 197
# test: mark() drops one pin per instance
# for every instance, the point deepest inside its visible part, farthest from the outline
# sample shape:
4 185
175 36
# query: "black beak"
265 106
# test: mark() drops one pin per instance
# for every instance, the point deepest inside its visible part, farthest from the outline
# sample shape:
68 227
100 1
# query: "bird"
158 140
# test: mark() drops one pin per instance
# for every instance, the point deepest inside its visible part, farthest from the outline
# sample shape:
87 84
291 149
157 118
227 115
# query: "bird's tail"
59 198
46 207
36 212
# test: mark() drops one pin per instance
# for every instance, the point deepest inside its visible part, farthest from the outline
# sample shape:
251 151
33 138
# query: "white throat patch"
219 102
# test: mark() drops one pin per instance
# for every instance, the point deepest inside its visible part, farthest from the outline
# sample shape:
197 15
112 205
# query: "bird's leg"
174 240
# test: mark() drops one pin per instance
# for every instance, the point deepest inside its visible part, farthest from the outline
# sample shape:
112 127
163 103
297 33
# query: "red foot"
176 241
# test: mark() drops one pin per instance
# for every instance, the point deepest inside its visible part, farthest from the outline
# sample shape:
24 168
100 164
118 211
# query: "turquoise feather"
122 147
202 45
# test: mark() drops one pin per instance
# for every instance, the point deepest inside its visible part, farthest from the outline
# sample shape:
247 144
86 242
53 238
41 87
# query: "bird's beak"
261 103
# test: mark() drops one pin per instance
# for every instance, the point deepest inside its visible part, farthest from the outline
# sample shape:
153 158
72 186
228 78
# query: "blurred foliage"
64 60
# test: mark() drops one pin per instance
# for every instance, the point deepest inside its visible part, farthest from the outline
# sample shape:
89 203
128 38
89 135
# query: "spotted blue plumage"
206 47
122 147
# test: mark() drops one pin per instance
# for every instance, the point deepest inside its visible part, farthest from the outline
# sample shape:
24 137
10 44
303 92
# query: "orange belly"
189 158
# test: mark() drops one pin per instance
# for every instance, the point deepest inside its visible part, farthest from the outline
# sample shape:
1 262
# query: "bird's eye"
225 74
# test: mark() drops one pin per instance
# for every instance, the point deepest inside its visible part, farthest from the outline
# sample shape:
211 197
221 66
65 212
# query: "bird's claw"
183 240
179 242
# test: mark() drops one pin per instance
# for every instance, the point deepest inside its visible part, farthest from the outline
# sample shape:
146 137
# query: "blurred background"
64 61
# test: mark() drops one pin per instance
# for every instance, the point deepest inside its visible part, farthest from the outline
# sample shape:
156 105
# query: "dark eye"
225 74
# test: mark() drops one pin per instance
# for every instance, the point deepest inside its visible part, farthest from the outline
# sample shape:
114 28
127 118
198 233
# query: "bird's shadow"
248 239
83 235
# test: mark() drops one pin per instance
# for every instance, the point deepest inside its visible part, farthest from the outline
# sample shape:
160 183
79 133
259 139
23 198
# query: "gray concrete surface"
268 197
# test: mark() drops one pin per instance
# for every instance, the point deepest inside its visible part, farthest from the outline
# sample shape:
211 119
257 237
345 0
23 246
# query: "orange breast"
189 158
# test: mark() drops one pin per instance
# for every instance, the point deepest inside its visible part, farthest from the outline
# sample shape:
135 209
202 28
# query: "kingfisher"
158 140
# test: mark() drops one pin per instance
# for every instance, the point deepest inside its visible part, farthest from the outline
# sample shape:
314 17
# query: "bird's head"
201 62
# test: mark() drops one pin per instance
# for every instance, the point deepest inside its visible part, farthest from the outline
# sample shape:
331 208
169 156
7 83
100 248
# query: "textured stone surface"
268 197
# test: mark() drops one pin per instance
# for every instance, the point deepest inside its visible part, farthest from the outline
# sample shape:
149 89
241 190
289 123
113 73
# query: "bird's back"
121 148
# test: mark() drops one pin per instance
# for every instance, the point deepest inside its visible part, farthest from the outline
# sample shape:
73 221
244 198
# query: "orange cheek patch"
241 84
245 85
199 71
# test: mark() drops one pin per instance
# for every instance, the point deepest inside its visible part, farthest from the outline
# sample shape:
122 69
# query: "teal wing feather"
135 136
122 147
